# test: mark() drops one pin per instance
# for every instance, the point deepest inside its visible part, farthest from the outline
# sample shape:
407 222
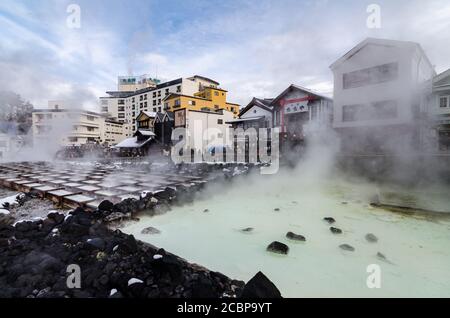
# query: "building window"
121 102
121 108
384 110
369 76
104 102
159 93
192 102
141 97
91 118
177 103
132 100
443 101
154 94
104 109
220 121
166 105
159 109
179 89
154 102
216 93
352 112
216 106
154 109
122 115
159 101
167 91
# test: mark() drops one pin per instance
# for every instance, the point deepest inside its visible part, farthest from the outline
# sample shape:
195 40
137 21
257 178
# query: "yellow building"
211 98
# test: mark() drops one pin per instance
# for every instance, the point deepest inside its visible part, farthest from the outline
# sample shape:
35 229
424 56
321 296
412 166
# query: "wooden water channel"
69 185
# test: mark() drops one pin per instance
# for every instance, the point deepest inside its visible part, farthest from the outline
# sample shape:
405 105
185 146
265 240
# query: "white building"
257 114
125 106
112 132
204 128
73 127
296 107
379 89
439 109
8 144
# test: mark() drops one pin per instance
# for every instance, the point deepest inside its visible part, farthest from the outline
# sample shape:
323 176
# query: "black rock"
203 288
276 209
74 229
117 294
106 205
295 237
37 262
56 217
247 229
329 220
278 247
97 243
381 256
23 226
347 247
335 230
6 231
128 245
371 238
260 287
150 230
205 211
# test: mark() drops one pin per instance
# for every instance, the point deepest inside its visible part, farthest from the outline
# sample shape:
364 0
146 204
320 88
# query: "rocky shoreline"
35 255
38 257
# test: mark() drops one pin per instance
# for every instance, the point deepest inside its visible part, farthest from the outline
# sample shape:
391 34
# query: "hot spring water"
417 251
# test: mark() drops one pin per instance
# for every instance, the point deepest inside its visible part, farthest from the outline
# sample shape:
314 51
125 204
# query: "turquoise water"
417 250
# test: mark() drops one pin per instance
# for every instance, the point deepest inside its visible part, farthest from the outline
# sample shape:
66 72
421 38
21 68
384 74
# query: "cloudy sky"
252 47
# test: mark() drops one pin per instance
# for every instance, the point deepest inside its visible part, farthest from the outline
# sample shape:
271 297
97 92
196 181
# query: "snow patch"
157 256
11 199
135 281
4 212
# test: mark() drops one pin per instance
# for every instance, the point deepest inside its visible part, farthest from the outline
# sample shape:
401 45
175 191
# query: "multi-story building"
209 98
69 126
134 83
439 110
379 87
297 108
204 128
125 106
145 120
257 114
111 132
